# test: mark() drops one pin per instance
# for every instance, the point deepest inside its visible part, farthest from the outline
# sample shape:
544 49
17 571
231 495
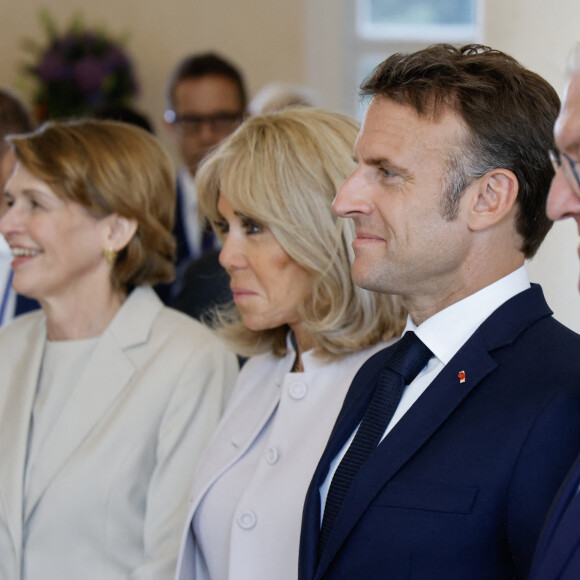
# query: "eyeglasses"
192 124
564 161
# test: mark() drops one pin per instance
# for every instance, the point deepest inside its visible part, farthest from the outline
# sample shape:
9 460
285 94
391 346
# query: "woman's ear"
494 199
121 232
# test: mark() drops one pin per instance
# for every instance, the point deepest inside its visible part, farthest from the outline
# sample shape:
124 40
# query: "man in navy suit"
558 552
207 99
448 201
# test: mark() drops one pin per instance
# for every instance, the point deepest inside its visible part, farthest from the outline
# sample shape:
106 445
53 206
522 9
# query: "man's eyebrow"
388 165
385 162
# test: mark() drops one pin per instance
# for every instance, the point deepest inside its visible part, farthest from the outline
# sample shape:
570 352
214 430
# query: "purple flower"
89 74
80 70
67 43
115 60
52 67
89 39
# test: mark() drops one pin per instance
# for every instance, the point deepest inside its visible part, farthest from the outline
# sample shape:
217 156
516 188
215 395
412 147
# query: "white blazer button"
247 520
272 455
298 391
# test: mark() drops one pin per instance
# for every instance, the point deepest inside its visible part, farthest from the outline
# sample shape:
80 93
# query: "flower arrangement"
78 71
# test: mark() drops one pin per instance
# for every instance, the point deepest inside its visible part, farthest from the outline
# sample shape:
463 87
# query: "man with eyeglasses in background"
207 100
558 550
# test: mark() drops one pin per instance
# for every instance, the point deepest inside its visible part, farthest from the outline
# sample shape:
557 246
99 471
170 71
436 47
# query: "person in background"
107 397
14 118
275 96
451 444
203 283
558 552
124 114
206 98
306 327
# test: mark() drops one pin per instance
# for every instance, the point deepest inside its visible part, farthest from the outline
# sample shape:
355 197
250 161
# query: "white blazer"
294 414
108 495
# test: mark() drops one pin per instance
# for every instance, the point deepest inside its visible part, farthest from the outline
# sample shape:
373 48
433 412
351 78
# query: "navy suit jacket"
182 250
460 487
558 552
167 291
24 305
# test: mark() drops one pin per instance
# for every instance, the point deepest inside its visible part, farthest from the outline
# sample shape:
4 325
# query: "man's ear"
493 200
120 232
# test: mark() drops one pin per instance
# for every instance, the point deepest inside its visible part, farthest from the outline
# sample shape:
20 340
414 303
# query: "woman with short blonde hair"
283 170
307 328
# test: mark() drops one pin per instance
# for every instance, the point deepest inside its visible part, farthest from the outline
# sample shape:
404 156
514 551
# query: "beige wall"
540 35
303 41
266 39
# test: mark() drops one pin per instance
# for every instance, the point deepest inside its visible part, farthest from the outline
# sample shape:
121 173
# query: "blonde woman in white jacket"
306 327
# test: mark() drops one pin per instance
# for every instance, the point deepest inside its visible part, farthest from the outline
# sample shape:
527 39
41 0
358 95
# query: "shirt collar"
187 185
447 331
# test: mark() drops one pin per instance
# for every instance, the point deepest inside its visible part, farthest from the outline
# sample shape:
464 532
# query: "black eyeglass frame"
219 121
570 170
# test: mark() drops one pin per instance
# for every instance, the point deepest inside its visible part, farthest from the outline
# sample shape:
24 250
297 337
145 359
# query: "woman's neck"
79 317
303 342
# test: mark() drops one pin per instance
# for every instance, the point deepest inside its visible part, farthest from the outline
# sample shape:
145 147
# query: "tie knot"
409 357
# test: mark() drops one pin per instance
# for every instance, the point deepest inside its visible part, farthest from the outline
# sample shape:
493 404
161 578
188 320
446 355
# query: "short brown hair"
110 167
283 170
196 66
509 112
14 118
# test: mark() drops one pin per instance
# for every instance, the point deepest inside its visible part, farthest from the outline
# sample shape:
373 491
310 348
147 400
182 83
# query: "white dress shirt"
191 226
444 334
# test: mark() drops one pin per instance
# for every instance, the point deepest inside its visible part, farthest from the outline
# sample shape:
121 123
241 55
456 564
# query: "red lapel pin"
461 376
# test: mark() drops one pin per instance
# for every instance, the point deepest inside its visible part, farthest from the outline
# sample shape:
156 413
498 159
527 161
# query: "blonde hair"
283 170
110 167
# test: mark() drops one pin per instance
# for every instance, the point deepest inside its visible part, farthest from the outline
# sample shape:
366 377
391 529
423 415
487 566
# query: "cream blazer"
295 412
108 495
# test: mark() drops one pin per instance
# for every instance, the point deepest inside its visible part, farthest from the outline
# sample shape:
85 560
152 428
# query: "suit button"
247 520
298 391
272 456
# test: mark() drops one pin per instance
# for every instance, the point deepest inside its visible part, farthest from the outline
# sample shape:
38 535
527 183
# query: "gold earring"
110 255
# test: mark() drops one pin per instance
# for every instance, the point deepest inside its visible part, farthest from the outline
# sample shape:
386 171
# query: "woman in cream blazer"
107 397
305 325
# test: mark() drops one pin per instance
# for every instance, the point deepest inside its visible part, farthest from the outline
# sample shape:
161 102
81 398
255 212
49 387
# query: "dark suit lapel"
414 429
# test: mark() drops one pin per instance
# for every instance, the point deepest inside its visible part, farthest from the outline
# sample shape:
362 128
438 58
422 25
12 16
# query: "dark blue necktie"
409 357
